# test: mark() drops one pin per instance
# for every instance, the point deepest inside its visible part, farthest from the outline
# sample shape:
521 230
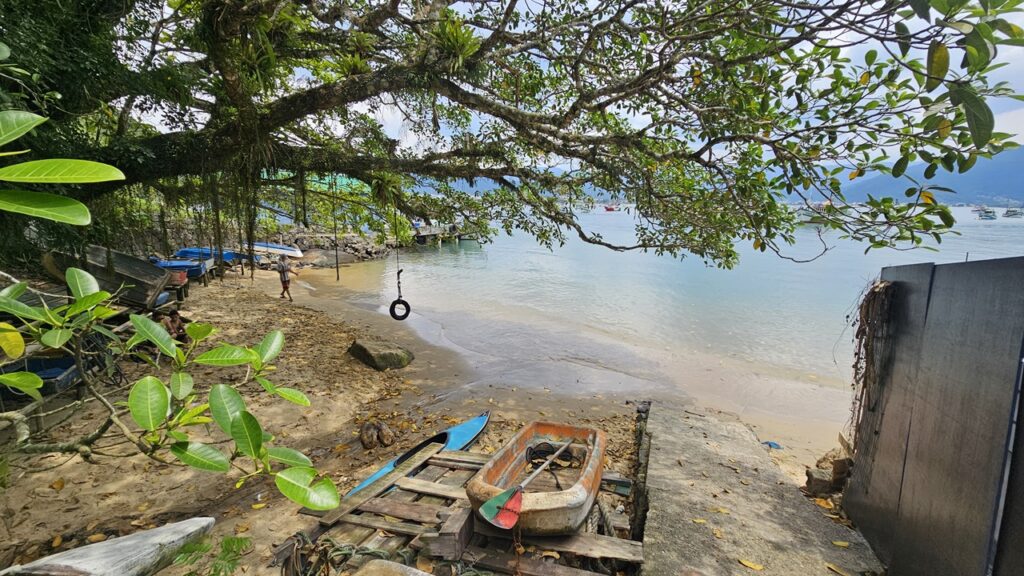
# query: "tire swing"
400 309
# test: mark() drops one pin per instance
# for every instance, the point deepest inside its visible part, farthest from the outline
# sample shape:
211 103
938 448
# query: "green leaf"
201 456
181 384
225 355
225 404
15 123
155 333
870 57
81 282
60 171
26 382
46 206
980 120
247 434
288 456
148 402
5 51
903 38
193 415
292 395
14 290
900 166
198 331
270 346
267 384
21 310
938 65
83 303
922 8
12 343
56 338
294 483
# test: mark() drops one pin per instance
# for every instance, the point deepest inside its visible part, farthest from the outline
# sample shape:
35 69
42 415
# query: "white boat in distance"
276 249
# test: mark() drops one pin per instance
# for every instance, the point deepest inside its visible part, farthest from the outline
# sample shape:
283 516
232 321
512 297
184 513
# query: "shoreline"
804 417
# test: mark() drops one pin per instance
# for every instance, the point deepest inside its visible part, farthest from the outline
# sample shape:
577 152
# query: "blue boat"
455 438
193 268
205 253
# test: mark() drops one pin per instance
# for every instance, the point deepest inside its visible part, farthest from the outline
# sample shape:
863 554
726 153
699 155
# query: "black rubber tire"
399 303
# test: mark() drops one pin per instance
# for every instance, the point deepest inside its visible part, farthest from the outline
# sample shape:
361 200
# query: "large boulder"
380 355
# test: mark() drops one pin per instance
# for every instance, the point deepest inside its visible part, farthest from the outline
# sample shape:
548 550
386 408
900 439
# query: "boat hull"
140 282
276 249
455 438
544 513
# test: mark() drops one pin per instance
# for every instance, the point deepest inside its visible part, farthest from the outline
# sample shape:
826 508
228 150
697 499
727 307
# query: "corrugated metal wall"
933 446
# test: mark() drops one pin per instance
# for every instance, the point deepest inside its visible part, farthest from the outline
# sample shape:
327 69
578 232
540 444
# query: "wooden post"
453 537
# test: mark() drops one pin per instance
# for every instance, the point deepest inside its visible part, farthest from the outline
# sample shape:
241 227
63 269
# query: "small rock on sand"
380 355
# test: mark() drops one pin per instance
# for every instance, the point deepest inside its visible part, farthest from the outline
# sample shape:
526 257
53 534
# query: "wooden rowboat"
548 508
142 280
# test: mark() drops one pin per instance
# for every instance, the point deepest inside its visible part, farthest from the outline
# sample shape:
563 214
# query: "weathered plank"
378 523
453 536
583 544
463 456
432 488
349 505
412 511
455 464
507 563
140 554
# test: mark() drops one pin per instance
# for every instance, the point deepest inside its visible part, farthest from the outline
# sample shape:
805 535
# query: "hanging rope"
399 308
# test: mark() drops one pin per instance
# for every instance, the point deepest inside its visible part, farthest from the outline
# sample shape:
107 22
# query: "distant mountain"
997 182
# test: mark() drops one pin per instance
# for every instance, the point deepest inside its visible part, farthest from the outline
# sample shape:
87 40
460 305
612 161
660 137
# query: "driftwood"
140 554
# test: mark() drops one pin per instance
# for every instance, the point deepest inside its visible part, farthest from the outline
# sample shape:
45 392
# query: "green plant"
13 125
170 416
224 562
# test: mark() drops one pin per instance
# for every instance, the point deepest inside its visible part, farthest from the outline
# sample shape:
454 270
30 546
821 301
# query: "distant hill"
996 182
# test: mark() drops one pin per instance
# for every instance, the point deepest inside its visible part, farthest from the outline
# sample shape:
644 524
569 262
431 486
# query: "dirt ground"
54 503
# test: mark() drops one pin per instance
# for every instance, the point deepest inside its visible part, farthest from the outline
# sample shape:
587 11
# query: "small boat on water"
987 214
455 438
612 208
558 501
1013 213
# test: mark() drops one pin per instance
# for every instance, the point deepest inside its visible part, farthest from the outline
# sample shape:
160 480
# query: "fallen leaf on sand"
826 504
57 541
142 507
833 568
94 538
841 543
58 484
745 482
241 527
425 564
91 525
259 505
717 532
550 554
721 510
751 565
138 523
699 521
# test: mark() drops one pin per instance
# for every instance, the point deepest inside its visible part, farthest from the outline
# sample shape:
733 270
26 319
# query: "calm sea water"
513 297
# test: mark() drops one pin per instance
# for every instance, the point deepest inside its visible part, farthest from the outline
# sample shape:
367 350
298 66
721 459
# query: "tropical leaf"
181 384
81 282
270 346
247 434
288 456
56 338
16 123
267 384
21 310
14 290
84 303
201 456
44 205
294 483
980 120
12 343
225 404
199 331
60 171
938 65
225 355
26 382
155 333
148 402
292 395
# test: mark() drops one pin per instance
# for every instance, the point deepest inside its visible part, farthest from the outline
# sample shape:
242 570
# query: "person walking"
283 270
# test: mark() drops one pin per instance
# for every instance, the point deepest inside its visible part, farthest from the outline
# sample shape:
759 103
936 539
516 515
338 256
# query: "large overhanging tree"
710 115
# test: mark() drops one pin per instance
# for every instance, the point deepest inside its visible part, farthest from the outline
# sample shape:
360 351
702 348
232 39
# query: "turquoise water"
767 314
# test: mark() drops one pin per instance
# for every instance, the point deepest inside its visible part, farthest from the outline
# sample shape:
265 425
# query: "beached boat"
455 438
143 282
276 249
555 503
193 267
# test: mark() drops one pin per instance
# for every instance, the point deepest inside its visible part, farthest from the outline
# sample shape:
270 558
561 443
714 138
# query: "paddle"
503 509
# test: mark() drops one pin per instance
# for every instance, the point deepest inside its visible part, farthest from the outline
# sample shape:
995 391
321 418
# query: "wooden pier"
440 234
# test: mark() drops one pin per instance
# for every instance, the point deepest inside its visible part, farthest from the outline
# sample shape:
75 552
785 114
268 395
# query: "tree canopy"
709 116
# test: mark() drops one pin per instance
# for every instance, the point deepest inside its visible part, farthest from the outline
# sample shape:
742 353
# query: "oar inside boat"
503 509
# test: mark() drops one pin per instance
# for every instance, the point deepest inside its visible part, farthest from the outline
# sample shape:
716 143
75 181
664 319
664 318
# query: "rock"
380 355
841 470
368 435
819 482
384 434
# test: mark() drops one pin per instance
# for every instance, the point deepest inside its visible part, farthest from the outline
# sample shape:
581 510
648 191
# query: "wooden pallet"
427 514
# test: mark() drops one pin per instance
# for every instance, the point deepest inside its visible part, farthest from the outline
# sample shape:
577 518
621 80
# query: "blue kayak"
455 438
206 253
192 268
